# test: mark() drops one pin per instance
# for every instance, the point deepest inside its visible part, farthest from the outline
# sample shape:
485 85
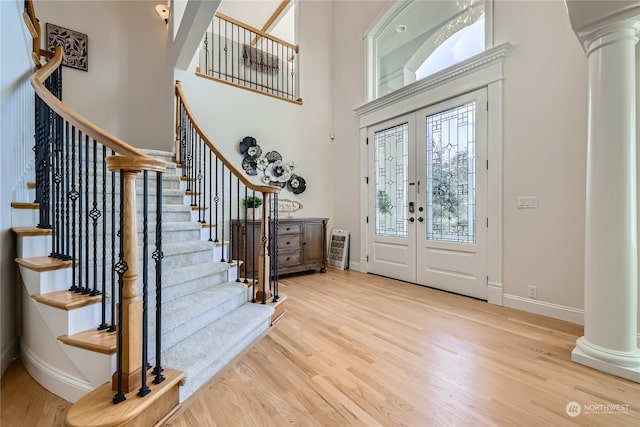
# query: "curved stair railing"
86 196
72 158
221 194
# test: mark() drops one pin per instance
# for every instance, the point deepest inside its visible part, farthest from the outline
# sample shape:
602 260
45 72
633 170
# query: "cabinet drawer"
289 228
286 259
289 242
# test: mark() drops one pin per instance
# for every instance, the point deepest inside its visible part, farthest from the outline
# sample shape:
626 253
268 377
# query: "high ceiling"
257 12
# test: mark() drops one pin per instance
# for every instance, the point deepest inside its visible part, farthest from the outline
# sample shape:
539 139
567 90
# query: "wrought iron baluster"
245 265
274 237
253 254
78 288
199 182
87 209
216 200
157 256
112 327
67 199
103 303
95 215
264 250
73 196
222 211
229 248
203 180
237 231
206 52
57 179
210 197
144 389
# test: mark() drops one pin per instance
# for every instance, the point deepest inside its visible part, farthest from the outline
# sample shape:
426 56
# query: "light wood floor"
357 349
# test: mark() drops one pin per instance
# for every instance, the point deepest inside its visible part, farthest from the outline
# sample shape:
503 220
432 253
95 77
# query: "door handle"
420 219
412 219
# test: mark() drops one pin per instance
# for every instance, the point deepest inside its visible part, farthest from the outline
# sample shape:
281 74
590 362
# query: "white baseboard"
54 380
570 314
494 293
9 352
354 265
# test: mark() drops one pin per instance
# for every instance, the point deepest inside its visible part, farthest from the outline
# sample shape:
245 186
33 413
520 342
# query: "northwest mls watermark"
573 409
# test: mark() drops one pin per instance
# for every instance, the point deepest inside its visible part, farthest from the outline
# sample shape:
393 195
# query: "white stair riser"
33 246
232 274
69 322
31 194
24 217
96 367
46 281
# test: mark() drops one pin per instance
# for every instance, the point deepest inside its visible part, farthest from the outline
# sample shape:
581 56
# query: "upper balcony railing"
240 55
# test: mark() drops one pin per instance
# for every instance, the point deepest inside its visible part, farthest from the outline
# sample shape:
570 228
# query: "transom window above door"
416 39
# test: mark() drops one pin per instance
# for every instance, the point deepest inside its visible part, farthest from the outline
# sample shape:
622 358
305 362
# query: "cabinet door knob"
288 228
288 243
288 258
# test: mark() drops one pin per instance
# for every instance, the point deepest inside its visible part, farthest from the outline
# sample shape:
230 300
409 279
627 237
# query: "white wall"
128 87
545 124
16 124
545 136
98 93
352 19
299 133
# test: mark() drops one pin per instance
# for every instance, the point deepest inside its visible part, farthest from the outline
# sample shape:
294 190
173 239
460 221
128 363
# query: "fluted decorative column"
610 343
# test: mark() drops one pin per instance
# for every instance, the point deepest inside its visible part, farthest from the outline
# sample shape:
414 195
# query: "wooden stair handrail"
234 170
81 123
257 31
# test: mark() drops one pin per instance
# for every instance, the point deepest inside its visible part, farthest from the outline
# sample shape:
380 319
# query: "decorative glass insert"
451 190
391 168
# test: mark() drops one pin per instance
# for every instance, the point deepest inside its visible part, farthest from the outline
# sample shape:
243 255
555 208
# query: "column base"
621 364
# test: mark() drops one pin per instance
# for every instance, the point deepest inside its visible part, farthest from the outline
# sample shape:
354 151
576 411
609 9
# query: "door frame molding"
482 70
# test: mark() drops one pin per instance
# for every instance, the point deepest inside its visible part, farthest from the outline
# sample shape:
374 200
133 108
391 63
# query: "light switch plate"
527 202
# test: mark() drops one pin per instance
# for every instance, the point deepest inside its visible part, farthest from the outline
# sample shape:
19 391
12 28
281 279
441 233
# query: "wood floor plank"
362 350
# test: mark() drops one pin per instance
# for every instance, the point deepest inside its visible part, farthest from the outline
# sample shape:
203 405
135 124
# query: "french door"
428 196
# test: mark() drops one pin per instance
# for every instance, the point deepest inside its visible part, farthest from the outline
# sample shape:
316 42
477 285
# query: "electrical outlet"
533 292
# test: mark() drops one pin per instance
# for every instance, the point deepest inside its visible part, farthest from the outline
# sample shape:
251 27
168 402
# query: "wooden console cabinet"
302 245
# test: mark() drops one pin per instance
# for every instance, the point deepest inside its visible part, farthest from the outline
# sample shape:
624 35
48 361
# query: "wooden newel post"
130 305
264 264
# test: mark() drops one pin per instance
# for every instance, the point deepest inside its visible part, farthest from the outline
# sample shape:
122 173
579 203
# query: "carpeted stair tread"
179 275
188 315
177 226
180 248
204 353
179 312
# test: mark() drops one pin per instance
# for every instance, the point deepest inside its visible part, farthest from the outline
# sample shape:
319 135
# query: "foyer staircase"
129 304
207 319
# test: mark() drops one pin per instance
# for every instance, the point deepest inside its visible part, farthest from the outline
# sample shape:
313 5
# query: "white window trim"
482 70
371 54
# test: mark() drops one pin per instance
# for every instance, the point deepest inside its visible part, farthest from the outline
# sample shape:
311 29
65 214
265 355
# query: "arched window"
416 39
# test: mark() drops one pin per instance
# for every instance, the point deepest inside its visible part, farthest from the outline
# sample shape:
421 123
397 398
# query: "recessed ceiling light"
401 28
